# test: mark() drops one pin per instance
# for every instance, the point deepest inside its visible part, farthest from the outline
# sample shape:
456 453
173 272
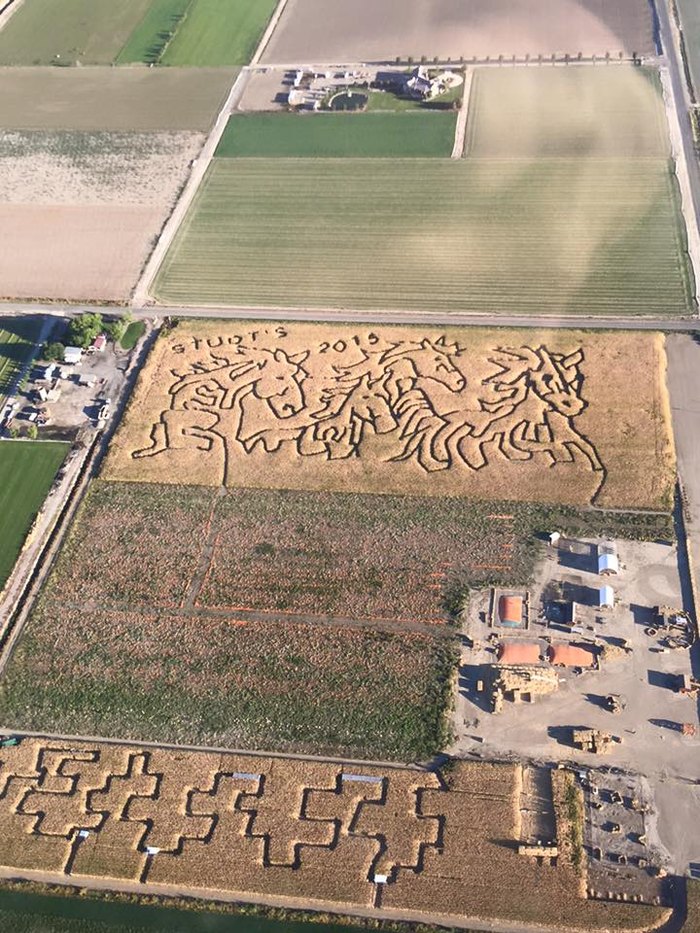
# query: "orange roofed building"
571 656
519 652
510 611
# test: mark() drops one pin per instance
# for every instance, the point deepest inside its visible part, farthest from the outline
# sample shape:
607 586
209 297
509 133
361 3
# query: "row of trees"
82 331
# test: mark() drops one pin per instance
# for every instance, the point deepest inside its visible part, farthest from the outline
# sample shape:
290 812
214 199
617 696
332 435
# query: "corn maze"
325 832
397 410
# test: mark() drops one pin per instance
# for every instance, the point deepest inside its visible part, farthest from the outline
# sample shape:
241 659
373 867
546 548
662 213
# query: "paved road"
669 39
339 315
684 388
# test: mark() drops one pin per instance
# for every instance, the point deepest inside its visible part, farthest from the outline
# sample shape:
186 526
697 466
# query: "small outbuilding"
606 597
608 563
99 343
73 355
510 611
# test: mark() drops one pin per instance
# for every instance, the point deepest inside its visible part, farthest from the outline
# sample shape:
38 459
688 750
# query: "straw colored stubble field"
557 416
320 831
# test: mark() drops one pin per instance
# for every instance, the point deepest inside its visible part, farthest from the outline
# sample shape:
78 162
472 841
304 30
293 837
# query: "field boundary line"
263 617
463 116
267 35
29 580
141 294
683 176
222 749
341 908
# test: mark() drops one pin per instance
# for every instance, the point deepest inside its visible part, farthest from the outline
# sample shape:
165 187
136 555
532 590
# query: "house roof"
571 656
510 609
519 652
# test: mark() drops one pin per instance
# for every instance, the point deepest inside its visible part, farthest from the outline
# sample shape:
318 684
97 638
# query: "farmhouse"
422 86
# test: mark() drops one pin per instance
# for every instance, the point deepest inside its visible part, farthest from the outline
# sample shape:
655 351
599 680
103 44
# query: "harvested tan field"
80 211
92 168
333 31
81 253
112 99
316 830
554 416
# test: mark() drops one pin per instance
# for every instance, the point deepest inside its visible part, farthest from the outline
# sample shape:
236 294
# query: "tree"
32 432
14 431
53 352
116 329
84 329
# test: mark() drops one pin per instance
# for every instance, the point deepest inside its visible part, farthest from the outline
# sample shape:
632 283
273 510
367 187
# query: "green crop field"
575 112
45 32
218 32
417 133
16 342
498 236
690 20
150 38
27 469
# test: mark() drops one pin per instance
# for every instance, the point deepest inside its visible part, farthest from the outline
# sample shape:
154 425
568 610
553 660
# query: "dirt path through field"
191 611
461 127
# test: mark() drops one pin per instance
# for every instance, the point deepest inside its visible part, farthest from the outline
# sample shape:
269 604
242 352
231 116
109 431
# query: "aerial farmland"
561 198
348 466
316 30
111 165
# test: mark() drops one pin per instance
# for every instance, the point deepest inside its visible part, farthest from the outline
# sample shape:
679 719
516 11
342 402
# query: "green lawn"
575 112
27 469
488 235
150 38
219 32
690 18
45 32
16 342
132 335
326 135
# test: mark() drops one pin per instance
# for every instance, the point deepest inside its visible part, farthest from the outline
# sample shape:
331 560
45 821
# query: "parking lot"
61 398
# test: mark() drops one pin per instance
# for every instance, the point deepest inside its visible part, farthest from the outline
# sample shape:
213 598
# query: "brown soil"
116 99
334 31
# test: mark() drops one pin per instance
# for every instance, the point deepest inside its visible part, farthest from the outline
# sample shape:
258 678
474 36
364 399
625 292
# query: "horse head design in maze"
427 401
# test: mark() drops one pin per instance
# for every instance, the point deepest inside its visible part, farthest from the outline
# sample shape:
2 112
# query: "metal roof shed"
608 563
72 355
606 597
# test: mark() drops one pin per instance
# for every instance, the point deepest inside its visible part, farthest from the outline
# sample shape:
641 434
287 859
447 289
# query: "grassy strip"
152 35
132 335
27 470
337 135
219 32
160 912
